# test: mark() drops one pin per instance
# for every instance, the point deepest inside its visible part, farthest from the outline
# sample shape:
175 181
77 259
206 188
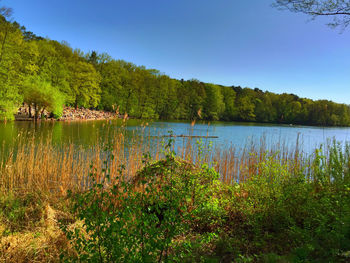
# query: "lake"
238 135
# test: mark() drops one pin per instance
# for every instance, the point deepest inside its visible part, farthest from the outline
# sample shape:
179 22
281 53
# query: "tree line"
48 74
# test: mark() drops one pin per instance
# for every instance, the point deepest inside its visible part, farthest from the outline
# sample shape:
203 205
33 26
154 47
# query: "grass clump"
20 212
28 229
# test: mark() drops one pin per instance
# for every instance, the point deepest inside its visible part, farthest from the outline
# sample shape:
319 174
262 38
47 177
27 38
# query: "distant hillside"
47 74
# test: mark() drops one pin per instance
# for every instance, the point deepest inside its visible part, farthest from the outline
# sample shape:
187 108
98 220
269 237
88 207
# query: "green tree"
213 106
52 66
292 112
182 110
196 95
6 27
245 103
264 109
229 97
95 80
112 92
84 82
11 68
9 101
246 109
343 115
42 96
168 109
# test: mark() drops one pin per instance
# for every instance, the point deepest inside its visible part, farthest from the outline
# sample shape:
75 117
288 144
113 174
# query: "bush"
285 213
43 96
174 211
138 219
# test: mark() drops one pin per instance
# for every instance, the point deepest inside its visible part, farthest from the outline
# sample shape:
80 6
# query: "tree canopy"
46 74
42 96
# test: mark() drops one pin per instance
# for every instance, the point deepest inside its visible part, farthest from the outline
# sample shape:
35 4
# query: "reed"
272 202
32 165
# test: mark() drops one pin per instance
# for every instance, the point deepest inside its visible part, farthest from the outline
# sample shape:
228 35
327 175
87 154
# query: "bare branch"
5 11
339 10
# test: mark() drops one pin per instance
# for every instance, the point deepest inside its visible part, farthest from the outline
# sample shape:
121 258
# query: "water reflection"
89 133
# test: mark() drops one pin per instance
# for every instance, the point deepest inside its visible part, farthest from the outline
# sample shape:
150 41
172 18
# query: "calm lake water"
238 135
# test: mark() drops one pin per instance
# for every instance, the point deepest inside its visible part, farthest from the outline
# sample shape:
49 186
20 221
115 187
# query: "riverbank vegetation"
46 74
118 203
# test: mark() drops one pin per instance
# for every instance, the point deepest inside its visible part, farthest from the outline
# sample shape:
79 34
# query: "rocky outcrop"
69 114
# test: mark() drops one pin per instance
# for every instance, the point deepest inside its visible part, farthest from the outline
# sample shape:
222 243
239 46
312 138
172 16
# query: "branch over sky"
338 10
5 11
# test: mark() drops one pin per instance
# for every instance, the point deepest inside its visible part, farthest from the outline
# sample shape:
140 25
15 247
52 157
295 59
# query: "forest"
47 74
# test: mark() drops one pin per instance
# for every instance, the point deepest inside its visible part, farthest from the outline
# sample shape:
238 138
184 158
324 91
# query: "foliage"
281 211
95 80
8 104
135 220
11 66
173 211
42 96
287 210
84 83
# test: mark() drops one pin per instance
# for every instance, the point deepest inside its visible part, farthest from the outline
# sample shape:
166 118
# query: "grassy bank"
111 205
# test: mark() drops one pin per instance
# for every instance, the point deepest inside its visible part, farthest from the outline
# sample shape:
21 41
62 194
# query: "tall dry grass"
33 165
239 165
43 166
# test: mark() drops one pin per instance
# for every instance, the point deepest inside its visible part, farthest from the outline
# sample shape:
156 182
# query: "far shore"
69 114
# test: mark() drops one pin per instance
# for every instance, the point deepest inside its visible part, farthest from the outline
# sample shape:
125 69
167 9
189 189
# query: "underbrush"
173 210
19 213
29 230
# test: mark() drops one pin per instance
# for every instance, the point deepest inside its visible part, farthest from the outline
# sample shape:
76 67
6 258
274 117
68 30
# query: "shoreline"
69 114
82 114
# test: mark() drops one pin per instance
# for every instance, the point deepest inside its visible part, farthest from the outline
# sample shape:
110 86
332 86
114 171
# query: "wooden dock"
190 136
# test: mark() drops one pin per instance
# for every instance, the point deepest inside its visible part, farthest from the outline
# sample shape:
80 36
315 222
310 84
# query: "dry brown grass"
44 167
44 243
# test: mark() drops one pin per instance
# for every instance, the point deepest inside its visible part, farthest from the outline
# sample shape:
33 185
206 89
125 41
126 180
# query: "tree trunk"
36 111
30 110
42 112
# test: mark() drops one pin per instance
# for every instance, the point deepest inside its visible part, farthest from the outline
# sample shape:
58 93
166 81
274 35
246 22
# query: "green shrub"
174 211
283 212
138 219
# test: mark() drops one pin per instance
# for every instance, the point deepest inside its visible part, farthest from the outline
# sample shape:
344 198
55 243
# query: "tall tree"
213 106
85 84
12 51
52 66
6 27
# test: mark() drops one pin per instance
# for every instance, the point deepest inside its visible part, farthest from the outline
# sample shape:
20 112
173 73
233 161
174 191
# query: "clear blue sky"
229 42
